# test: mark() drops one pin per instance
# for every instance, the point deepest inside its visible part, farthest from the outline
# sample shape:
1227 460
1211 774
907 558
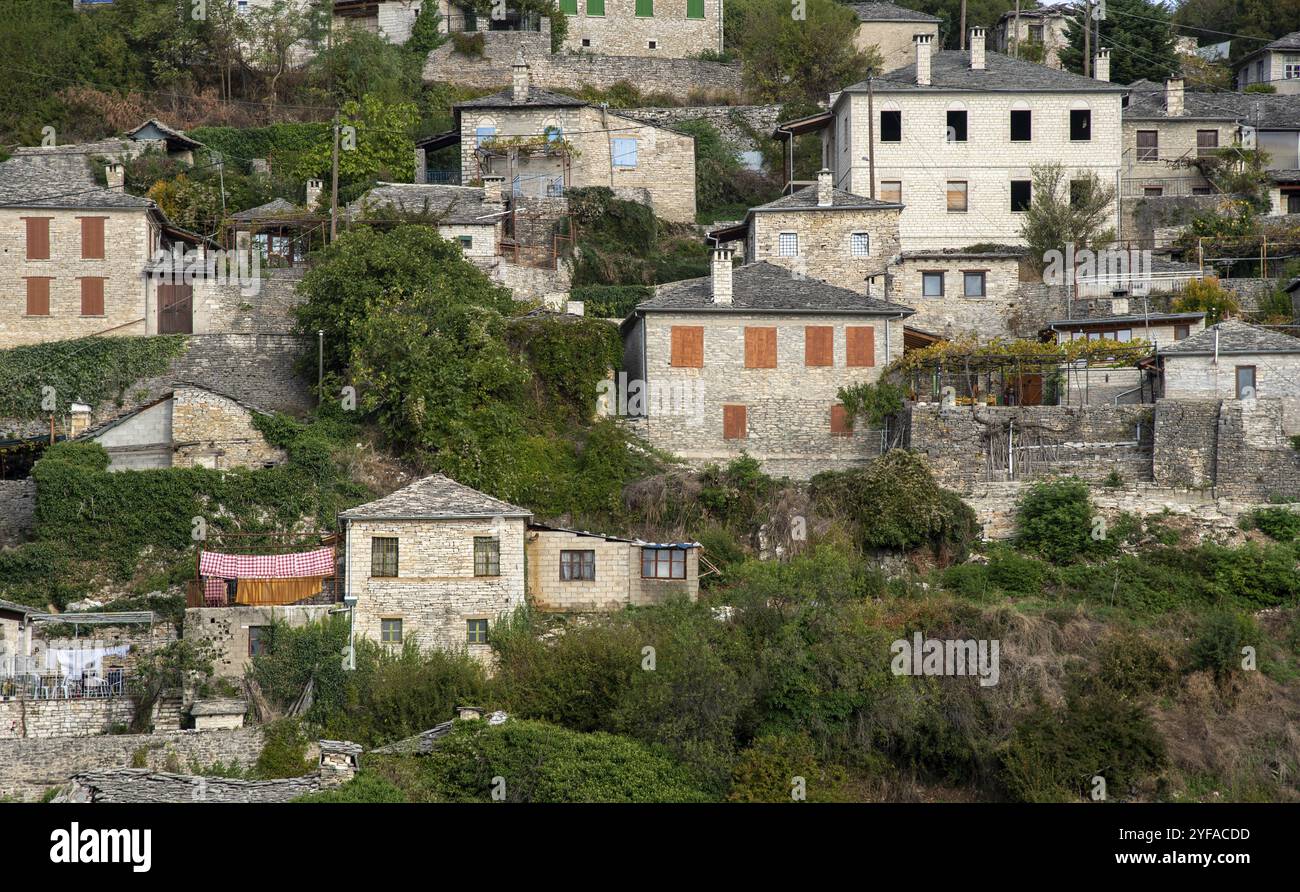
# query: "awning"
800 126
439 141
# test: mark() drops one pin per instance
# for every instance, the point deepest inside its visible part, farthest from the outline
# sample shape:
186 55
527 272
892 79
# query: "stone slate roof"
112 147
888 12
950 70
436 497
806 198
276 207
537 97
1000 252
16 608
417 745
1050 11
1293 285
453 205
767 288
1284 176
171 133
1268 111
1285 43
1137 319
59 181
1235 338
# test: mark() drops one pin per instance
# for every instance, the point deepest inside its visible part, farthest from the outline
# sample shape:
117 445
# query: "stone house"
823 232
955 136
15 635
1034 34
672 29
1235 360
751 360
1284 191
151 136
1166 129
574 571
236 634
890 30
543 143
1276 63
466 215
434 562
190 427
1160 329
74 254
957 292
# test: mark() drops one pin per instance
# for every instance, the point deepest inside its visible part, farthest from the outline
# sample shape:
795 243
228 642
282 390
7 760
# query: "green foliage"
385 144
1055 520
734 494
471 46
545 763
895 503
365 787
1219 639
871 401
1280 524
621 242
87 370
1260 88
1067 210
786 58
295 657
724 188
164 669
568 358
1140 29
1209 297
1054 755
611 301
284 751
765 770
1133 665
283 145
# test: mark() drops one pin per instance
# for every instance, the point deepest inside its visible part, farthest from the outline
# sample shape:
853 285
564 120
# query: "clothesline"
319 562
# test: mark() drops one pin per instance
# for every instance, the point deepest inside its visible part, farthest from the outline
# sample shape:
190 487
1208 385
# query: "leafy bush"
284 751
1281 524
895 503
611 301
766 771
1055 520
1218 643
1133 665
872 401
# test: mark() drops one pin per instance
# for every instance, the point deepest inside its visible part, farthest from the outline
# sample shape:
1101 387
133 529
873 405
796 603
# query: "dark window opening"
1080 124
1022 125
891 126
956 126
1021 195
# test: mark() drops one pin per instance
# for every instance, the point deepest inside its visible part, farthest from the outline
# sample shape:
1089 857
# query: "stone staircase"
167 713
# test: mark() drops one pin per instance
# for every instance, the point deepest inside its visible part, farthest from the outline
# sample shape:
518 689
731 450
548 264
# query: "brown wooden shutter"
860 345
840 426
688 346
818 345
733 423
760 348
92 296
38 238
38 296
92 238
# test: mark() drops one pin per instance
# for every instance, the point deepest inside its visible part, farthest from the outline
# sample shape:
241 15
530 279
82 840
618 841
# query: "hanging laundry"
277 591
319 562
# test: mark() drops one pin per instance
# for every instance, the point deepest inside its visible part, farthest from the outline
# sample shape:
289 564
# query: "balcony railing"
54 686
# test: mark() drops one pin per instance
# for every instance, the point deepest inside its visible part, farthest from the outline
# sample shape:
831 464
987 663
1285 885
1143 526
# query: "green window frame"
596 7
476 631
569 7
390 631
645 8
695 9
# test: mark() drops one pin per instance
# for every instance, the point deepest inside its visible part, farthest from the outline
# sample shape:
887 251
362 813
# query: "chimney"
115 175
977 49
922 42
1174 96
421 167
519 79
78 419
825 189
314 189
1101 64
494 188
722 275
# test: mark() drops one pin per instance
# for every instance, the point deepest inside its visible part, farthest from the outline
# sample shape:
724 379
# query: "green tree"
1062 213
1140 38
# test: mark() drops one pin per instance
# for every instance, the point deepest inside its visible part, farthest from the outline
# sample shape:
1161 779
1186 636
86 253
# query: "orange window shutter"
860 344
760 348
92 296
840 426
687 346
819 345
92 238
38 238
733 423
38 296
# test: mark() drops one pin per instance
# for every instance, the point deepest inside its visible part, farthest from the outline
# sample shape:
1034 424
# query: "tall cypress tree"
1139 37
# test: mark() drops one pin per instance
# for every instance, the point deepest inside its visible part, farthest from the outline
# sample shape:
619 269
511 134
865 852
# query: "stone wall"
532 283
30 767
225 630
737 124
1277 377
968 445
257 369
667 34
223 307
893 40
435 593
680 78
954 314
17 510
1237 448
27 719
213 431
824 240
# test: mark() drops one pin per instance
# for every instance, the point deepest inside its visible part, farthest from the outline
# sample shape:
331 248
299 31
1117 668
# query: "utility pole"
871 136
1087 38
962 37
334 188
1015 32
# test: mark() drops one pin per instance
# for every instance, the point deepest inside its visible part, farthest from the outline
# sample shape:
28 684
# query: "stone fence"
738 124
1237 448
17 510
28 768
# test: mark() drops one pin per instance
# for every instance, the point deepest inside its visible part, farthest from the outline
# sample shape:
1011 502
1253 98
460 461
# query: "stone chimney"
1101 64
339 761
519 79
421 167
314 189
825 188
922 42
1174 96
469 713
977 49
78 419
494 188
721 270
115 175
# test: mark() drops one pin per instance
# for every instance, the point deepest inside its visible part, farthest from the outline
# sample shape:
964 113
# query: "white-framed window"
625 152
787 244
1292 70
860 244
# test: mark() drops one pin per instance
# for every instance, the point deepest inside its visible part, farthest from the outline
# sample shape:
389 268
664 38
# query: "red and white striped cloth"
214 591
267 566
